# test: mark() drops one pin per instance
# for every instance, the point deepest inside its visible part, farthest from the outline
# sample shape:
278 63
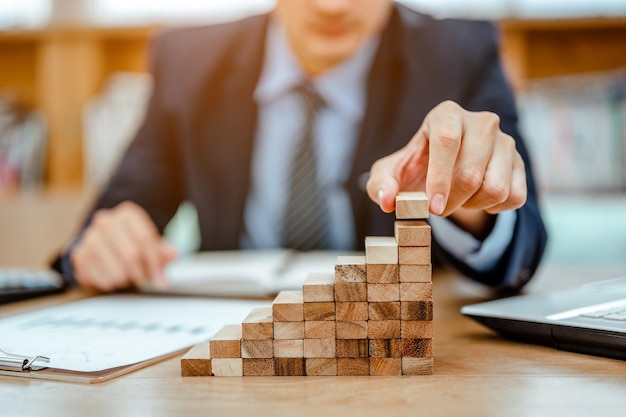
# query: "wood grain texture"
288 330
227 366
386 348
350 291
383 273
349 311
321 366
414 329
416 310
416 273
389 310
288 306
288 348
417 348
412 233
377 293
418 366
384 329
414 255
416 291
320 329
319 348
381 250
412 205
350 269
352 348
352 329
258 325
259 367
197 361
319 311
385 366
257 349
353 366
290 367
319 287
226 343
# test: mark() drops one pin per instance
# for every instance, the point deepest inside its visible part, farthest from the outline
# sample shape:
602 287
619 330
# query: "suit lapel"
228 125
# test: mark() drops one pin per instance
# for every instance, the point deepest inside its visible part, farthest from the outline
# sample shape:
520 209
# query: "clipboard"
104 337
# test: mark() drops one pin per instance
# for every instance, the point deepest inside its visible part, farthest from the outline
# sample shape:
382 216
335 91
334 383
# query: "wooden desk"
476 374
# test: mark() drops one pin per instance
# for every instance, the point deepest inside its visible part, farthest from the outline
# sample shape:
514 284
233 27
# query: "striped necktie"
305 226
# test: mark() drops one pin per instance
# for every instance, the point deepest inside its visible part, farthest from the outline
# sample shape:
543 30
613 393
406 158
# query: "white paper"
109 331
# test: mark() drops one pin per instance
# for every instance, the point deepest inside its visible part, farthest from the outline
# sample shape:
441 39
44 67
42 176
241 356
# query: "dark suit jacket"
197 138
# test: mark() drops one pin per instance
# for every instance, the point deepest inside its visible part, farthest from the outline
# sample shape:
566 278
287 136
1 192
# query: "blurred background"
73 87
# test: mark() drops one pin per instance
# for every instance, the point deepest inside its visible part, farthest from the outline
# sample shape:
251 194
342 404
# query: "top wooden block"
412 205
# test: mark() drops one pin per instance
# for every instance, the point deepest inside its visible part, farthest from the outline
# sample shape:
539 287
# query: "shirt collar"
343 87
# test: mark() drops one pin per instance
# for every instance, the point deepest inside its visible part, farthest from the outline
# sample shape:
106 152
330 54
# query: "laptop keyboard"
19 284
614 314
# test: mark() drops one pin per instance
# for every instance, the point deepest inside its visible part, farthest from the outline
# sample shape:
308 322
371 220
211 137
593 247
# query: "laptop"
589 319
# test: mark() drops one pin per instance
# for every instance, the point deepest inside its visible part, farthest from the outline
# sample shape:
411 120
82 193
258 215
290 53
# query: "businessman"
278 128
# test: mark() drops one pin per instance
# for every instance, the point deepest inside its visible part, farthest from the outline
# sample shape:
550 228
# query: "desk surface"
476 372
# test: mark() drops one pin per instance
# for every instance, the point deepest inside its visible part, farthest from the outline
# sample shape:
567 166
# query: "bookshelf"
58 70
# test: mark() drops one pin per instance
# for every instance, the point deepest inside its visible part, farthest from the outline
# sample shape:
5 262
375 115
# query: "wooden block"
288 306
226 343
319 288
321 366
350 269
377 293
258 325
319 348
319 311
353 366
383 274
414 255
412 205
227 366
416 310
352 348
288 330
288 348
350 311
384 329
257 349
415 329
259 367
412 233
389 310
418 366
381 250
319 329
385 366
386 348
350 291
416 291
352 329
197 361
417 348
416 273
290 367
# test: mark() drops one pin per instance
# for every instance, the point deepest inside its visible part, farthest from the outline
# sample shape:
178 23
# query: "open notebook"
256 273
588 319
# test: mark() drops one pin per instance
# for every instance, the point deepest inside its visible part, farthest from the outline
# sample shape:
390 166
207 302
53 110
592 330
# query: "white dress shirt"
343 89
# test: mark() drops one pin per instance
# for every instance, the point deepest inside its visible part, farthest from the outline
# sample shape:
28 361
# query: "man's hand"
467 165
120 248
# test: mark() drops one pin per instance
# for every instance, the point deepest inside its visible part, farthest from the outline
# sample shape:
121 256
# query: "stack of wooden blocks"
373 316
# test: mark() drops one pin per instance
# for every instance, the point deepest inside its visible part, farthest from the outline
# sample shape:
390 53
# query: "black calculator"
21 283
